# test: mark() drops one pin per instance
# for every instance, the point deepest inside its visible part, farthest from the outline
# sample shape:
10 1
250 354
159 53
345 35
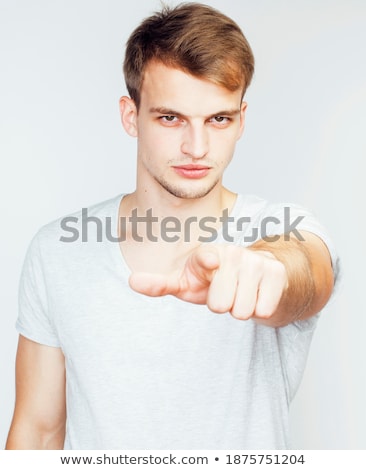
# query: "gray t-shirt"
159 373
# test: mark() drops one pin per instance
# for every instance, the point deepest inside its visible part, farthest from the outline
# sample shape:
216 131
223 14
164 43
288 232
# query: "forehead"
173 88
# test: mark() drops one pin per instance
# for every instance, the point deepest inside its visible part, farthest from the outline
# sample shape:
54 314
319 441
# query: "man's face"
187 129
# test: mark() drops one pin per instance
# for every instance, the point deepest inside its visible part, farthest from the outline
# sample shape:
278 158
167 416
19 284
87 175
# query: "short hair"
195 38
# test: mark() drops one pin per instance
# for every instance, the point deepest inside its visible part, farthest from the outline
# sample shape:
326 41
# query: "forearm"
309 273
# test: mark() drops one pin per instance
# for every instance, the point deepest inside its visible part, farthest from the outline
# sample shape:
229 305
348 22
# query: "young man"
191 331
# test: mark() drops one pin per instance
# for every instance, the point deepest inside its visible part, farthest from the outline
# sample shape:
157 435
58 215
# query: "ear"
243 108
128 113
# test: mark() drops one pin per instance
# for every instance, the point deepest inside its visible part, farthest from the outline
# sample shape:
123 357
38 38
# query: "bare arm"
273 282
40 409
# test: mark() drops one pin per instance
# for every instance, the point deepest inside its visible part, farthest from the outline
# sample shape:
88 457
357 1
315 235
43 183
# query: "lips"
193 167
192 171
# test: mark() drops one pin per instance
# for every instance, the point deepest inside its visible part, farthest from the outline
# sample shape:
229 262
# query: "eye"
220 120
169 119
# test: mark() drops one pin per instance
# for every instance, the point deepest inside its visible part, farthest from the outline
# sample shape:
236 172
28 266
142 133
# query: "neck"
186 212
165 204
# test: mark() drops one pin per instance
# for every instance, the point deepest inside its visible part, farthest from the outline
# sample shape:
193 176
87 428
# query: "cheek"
224 145
157 138
156 148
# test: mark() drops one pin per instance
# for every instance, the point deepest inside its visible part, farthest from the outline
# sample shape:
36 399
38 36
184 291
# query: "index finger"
203 263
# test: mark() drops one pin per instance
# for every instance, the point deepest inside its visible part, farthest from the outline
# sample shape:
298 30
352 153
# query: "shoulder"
258 207
70 227
277 217
75 237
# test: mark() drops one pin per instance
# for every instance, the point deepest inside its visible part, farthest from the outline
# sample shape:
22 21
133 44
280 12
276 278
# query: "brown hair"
195 38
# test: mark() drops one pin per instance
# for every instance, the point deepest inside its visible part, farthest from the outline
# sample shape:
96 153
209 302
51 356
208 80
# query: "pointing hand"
226 278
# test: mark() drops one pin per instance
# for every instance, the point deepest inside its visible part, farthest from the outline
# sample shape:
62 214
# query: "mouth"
192 171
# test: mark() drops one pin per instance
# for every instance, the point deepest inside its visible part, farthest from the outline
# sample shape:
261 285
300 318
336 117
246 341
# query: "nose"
195 141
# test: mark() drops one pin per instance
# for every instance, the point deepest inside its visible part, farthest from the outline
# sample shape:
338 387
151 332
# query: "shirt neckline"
117 254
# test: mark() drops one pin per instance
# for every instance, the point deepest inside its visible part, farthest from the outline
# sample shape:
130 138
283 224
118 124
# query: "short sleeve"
294 343
294 339
292 218
33 320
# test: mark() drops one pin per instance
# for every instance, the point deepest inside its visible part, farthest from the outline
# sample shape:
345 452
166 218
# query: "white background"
62 148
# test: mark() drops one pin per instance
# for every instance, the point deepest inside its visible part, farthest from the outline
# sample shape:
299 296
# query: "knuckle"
280 267
280 272
254 260
233 252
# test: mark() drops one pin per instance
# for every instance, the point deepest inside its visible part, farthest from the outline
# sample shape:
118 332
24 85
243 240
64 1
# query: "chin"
188 193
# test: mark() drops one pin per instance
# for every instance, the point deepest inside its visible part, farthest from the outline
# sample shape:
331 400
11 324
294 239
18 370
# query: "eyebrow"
172 112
